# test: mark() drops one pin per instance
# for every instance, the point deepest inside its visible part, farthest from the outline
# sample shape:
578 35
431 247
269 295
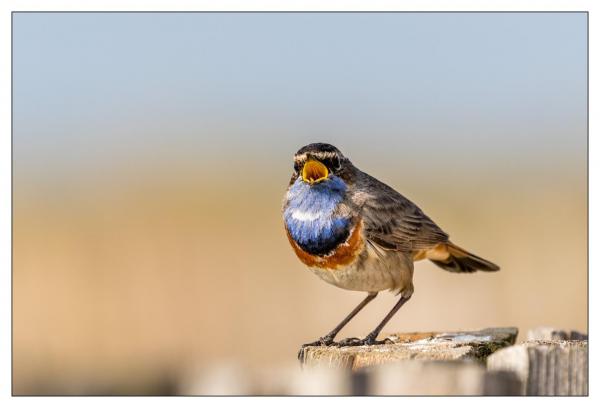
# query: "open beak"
314 172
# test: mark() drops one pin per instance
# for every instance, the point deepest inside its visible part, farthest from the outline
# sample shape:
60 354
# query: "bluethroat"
357 233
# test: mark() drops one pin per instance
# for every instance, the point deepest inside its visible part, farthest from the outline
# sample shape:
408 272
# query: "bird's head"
318 163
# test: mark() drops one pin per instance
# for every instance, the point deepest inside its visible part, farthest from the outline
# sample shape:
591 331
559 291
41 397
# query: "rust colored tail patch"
455 259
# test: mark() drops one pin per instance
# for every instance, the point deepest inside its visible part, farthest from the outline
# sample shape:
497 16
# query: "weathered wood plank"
546 367
414 377
435 346
550 333
422 377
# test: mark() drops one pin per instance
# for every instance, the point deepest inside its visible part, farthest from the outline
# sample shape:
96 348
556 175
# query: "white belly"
372 273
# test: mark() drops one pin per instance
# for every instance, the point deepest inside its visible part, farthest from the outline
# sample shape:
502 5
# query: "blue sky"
95 90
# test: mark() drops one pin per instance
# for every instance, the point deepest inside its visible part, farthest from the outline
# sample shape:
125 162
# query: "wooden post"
437 346
482 362
546 367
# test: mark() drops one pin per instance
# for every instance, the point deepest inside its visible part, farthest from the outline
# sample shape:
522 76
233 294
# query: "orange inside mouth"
314 171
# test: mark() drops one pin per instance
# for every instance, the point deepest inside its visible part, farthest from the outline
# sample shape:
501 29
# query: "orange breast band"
343 255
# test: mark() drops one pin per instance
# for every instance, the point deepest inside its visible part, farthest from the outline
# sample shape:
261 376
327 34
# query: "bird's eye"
334 163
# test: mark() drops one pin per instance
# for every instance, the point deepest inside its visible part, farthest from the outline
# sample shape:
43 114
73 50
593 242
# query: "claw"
349 342
367 341
323 341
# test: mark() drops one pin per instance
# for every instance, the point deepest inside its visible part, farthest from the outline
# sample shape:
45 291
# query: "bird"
357 233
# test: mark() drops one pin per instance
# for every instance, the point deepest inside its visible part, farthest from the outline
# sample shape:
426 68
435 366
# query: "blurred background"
152 152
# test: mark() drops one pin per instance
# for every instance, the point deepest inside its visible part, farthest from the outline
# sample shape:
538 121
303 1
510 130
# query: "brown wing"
392 221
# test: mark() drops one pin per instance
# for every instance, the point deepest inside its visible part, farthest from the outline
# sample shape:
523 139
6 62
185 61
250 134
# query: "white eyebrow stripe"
301 157
317 155
325 155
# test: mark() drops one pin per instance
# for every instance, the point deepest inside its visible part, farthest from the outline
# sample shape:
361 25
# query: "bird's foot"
323 341
367 341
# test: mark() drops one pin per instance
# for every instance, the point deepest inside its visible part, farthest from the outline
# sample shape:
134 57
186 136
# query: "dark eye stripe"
332 163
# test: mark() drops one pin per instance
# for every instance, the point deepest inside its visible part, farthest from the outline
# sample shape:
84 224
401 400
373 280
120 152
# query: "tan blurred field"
124 283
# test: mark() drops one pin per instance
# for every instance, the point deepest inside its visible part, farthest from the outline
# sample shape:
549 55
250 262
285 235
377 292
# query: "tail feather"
460 260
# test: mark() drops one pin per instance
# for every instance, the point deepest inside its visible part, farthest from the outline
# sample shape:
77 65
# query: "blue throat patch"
309 215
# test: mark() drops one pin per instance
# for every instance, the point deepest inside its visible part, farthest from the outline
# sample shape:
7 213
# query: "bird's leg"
327 340
372 337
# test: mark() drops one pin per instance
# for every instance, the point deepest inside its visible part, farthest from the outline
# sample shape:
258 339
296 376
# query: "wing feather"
391 220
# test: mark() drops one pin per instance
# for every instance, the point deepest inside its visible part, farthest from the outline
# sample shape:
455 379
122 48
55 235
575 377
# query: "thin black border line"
279 12
587 22
12 205
301 12
12 196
